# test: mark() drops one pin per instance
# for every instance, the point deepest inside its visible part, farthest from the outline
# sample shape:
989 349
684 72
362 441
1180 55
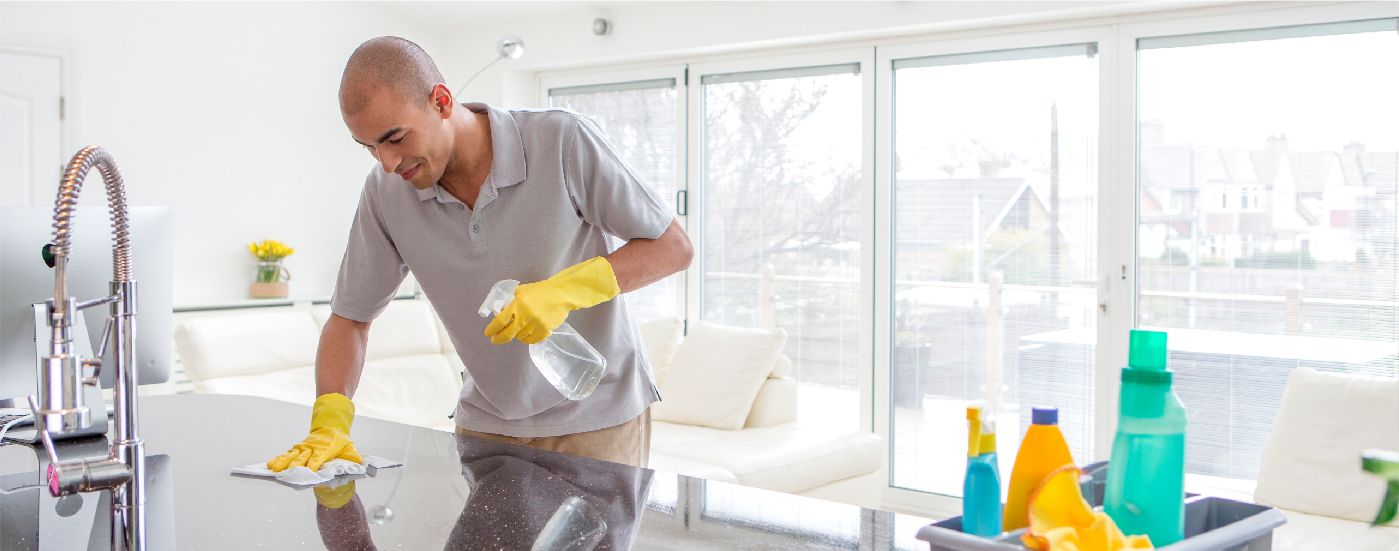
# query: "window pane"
780 245
665 492
995 248
641 125
1267 233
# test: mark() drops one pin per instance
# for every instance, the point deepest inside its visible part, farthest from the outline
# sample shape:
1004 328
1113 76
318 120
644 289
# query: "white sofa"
1311 461
411 373
771 450
412 376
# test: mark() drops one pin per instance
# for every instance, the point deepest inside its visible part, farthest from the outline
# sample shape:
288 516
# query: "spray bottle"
565 359
981 490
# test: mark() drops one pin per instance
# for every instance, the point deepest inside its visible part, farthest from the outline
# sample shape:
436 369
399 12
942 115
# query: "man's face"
407 137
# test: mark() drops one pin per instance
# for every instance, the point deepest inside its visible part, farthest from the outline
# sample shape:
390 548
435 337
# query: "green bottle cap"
1147 350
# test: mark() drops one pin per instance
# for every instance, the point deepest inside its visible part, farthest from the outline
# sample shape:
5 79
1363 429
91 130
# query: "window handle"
682 202
1104 286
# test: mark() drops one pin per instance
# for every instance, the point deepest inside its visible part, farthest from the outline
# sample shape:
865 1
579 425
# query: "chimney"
991 167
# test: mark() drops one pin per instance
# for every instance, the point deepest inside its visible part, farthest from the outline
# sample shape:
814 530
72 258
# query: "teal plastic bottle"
1146 475
981 489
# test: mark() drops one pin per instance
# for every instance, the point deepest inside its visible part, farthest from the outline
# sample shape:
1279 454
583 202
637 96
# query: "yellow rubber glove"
329 439
1061 520
336 497
540 307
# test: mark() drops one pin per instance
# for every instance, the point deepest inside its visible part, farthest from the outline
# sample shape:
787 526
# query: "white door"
30 136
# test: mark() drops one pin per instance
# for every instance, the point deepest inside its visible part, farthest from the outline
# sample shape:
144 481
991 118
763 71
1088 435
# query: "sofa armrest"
776 403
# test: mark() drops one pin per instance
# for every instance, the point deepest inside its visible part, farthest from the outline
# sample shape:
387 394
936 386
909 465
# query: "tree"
762 203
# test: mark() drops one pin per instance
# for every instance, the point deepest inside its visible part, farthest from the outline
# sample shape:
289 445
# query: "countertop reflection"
450 493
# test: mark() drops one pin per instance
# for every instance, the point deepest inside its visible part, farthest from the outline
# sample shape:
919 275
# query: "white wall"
226 112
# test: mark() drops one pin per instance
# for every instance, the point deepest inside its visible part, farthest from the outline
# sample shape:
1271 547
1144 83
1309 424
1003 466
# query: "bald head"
387 63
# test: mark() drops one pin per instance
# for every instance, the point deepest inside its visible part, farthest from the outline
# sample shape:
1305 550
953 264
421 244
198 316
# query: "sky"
1321 92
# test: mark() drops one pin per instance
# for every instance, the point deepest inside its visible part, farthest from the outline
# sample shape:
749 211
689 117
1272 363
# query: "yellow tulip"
270 249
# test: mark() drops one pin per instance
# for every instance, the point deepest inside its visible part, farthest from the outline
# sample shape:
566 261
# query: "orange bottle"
1041 452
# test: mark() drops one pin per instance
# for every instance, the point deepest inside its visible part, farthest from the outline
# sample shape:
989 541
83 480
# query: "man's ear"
442 100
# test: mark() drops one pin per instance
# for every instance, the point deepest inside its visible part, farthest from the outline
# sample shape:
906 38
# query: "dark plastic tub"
1211 524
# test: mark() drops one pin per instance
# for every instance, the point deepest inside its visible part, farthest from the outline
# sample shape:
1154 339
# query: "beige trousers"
628 443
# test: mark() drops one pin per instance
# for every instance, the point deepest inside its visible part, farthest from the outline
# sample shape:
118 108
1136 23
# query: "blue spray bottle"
981 490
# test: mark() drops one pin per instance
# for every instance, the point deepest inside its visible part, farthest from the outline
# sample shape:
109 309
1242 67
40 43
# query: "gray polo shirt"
556 190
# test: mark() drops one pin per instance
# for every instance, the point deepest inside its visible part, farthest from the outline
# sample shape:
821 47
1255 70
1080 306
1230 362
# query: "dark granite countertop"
451 493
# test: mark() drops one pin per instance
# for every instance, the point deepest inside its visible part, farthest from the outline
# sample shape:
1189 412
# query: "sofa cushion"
415 390
785 458
448 347
296 385
406 327
1311 460
659 339
246 343
1307 532
680 465
776 404
716 374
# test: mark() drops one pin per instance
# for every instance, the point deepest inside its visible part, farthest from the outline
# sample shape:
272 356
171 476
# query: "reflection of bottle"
569 363
981 490
1041 452
575 526
1145 491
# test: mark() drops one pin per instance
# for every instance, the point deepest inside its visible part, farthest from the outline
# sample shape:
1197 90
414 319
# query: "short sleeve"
372 269
607 192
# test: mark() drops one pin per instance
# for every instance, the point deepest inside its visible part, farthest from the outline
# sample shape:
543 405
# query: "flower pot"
269 290
271 281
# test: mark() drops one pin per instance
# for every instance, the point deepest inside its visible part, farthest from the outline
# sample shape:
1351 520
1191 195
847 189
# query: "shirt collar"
507 148
507 154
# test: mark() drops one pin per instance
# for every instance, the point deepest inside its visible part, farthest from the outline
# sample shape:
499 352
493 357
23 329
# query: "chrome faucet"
60 409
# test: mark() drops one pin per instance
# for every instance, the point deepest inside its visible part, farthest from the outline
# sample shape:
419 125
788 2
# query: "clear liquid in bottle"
565 359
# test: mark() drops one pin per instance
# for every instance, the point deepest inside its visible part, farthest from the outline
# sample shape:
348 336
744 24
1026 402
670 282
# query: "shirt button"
476 228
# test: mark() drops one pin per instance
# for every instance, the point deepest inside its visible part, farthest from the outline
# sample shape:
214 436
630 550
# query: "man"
467 195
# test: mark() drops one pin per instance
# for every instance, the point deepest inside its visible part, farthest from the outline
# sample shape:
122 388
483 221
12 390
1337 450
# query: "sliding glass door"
994 251
780 178
1267 214
641 119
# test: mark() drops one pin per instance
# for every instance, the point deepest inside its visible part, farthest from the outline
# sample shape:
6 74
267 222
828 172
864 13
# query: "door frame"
65 79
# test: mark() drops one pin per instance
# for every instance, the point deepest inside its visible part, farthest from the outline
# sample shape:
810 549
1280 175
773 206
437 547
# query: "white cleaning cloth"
302 476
